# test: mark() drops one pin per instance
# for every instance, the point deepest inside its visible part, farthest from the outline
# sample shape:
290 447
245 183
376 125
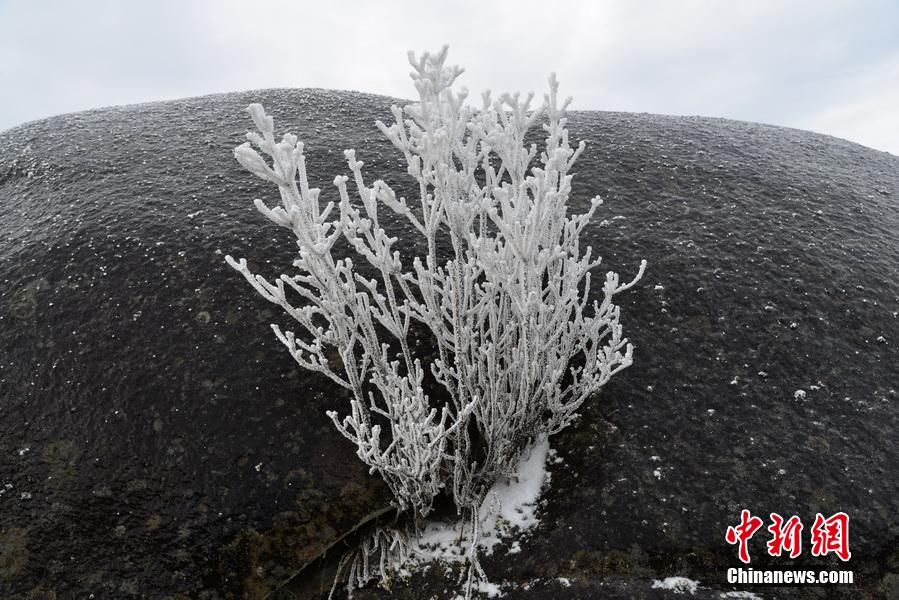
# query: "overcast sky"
828 66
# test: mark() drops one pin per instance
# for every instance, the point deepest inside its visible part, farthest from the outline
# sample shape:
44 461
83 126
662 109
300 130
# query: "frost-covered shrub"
519 347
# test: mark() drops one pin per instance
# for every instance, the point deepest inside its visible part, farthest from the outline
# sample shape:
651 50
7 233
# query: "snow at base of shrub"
510 508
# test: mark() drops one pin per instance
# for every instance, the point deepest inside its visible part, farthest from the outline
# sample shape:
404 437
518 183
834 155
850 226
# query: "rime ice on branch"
519 345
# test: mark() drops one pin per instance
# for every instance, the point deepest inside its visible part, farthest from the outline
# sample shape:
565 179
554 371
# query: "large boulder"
154 437
156 440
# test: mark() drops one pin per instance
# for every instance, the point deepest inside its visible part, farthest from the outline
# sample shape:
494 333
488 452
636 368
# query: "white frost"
507 311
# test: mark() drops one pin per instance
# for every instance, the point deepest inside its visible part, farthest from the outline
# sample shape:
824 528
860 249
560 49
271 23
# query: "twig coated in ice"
519 346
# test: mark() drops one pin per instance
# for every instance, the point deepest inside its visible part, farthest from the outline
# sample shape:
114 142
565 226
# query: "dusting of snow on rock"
741 595
490 589
679 585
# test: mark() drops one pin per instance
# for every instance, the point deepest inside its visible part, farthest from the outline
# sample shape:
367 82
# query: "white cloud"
802 63
865 111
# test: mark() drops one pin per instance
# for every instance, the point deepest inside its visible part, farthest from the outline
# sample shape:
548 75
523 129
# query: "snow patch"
679 585
510 506
491 589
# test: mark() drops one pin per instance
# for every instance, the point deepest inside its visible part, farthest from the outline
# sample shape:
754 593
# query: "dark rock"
155 439
141 386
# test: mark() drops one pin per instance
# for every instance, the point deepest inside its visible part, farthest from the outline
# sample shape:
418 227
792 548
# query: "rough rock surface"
154 437
155 440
